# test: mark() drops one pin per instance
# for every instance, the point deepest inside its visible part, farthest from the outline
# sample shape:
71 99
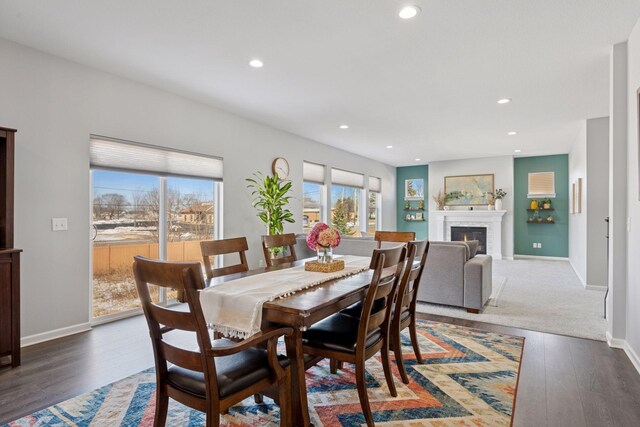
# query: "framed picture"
468 190
414 189
576 196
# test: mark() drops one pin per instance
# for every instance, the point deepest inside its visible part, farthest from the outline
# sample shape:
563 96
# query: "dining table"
299 311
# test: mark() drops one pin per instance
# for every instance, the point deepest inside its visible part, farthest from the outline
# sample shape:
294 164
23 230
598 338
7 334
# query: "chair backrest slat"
179 356
278 241
172 318
211 248
393 237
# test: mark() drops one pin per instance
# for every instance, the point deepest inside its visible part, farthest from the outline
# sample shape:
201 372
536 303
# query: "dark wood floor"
564 381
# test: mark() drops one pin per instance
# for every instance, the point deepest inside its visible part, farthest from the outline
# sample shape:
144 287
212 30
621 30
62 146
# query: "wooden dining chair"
279 241
404 313
211 248
345 338
221 373
393 237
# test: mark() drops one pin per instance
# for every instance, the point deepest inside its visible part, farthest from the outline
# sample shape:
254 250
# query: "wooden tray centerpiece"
324 267
323 239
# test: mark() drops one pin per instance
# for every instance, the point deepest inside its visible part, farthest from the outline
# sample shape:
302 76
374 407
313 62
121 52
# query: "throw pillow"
473 247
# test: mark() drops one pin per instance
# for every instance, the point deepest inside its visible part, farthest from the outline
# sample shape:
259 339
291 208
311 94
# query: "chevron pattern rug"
469 378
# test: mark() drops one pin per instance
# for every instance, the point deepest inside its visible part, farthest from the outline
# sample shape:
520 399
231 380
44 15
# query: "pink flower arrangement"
323 236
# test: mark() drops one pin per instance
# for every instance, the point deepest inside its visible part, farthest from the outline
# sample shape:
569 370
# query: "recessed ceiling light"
344 126
256 63
417 160
517 151
504 100
512 133
389 146
409 12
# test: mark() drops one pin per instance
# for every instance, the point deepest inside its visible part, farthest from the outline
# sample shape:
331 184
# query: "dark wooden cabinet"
9 257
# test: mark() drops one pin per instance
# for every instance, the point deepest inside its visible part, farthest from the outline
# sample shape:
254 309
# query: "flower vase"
498 204
325 254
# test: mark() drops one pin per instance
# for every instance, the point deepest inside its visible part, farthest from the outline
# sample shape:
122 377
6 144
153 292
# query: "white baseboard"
595 288
56 333
544 258
633 356
575 270
624 345
508 258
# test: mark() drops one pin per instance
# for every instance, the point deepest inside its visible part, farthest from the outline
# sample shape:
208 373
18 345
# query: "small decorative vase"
498 204
547 206
325 255
534 205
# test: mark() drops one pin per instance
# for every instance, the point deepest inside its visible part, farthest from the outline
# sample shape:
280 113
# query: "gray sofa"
452 276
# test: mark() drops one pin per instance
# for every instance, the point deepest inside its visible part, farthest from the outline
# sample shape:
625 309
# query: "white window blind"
313 172
375 184
542 184
350 179
123 155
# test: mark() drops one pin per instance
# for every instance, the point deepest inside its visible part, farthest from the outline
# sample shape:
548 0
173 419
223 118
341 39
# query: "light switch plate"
59 224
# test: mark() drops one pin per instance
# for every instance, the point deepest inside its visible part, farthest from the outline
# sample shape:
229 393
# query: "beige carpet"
544 296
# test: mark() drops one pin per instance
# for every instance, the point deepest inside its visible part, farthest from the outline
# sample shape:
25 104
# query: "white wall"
589 160
597 203
501 167
578 222
619 156
633 205
56 105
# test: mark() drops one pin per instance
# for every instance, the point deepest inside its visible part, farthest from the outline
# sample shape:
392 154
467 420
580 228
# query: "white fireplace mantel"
491 220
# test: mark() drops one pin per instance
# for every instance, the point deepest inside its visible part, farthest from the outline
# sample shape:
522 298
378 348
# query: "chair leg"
213 419
361 385
284 395
386 364
397 351
162 405
258 398
334 365
414 341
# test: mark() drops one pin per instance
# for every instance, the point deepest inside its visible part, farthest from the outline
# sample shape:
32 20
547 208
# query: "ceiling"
428 85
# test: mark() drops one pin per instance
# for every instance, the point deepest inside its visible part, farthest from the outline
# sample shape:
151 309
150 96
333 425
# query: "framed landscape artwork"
414 189
468 190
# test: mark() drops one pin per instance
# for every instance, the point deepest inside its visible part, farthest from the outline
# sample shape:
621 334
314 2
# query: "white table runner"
234 308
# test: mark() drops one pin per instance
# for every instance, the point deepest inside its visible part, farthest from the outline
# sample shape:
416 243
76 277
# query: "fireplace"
462 234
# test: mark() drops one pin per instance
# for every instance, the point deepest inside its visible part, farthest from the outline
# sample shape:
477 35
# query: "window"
313 188
146 201
346 197
541 184
374 205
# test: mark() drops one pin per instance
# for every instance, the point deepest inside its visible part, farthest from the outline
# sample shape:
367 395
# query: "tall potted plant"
270 198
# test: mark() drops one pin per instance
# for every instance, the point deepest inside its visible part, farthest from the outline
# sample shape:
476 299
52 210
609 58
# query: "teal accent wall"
421 228
554 237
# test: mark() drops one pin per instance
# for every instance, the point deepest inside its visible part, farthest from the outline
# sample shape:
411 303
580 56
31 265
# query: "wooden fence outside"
113 257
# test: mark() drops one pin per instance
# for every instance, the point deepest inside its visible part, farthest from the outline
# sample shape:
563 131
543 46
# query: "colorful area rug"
469 378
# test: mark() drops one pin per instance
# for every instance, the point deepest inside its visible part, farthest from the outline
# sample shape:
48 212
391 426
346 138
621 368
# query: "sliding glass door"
144 214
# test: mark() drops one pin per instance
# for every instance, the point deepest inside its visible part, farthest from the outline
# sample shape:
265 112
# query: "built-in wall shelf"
414 209
541 209
544 221
414 220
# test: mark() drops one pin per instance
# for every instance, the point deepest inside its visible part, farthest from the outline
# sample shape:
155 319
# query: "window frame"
162 233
